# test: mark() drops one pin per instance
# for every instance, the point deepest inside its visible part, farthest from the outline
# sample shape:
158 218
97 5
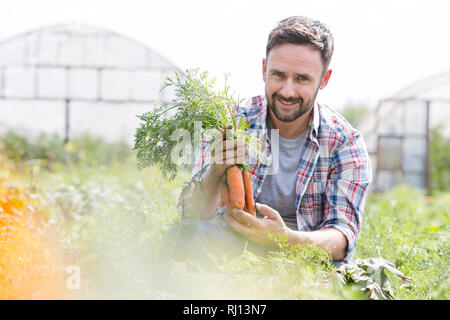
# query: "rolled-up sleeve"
347 190
201 161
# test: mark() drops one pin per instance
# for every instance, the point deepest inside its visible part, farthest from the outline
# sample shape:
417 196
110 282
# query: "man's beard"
301 110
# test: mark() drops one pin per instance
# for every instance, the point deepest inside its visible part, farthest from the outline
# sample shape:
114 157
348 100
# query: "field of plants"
86 204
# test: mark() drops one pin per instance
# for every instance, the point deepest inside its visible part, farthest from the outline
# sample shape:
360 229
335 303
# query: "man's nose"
288 89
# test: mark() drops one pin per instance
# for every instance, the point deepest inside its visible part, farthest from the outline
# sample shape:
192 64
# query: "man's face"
293 76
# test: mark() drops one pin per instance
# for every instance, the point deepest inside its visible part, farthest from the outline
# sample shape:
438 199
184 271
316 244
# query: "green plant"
51 150
439 161
402 227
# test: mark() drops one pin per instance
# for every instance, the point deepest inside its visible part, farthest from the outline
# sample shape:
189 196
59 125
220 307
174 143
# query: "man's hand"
258 229
227 153
331 240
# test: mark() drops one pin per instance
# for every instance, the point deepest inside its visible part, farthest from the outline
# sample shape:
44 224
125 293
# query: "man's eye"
278 75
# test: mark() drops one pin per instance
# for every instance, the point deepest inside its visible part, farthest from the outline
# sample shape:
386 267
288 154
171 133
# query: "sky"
380 46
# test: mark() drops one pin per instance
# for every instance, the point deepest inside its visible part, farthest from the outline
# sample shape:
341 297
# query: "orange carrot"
225 194
249 201
236 187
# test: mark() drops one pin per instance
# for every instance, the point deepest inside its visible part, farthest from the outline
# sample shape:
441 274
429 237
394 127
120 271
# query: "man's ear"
325 78
264 69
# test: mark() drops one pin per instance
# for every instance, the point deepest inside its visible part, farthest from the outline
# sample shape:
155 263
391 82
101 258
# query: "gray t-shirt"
278 190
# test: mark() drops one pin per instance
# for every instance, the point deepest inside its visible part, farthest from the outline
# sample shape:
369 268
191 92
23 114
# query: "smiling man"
318 192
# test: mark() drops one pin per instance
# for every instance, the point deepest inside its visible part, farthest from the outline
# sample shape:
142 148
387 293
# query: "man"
318 192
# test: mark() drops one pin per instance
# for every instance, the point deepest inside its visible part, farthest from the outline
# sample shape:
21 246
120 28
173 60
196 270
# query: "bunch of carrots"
236 190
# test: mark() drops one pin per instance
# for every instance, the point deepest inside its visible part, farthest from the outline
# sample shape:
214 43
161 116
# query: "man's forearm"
332 240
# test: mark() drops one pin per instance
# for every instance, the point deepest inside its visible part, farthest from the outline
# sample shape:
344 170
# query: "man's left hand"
258 229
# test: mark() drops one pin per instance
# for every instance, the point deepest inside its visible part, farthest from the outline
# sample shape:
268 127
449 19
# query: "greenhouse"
73 79
397 132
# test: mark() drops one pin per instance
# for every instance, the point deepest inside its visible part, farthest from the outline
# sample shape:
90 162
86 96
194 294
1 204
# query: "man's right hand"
227 153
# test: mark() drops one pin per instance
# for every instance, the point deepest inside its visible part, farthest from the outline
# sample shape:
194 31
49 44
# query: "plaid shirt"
334 172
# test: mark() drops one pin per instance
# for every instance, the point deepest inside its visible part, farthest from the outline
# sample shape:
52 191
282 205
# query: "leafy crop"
117 224
197 110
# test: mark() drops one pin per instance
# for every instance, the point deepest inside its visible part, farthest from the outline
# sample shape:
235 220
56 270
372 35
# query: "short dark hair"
302 30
